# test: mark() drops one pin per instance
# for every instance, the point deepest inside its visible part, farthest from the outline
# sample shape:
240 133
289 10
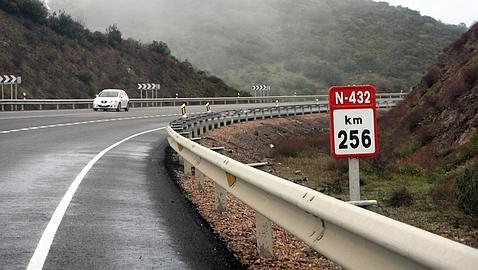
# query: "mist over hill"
302 45
59 58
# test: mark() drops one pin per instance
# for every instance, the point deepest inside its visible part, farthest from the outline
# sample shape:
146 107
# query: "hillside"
440 115
58 58
303 46
434 132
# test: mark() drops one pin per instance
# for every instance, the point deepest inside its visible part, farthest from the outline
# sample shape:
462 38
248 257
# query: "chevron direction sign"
10 79
261 87
149 86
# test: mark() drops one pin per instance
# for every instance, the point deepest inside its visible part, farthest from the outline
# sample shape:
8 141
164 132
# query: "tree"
114 36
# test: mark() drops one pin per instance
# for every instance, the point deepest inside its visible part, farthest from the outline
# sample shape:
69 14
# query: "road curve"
125 212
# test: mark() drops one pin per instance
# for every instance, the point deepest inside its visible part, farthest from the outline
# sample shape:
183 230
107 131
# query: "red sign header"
360 96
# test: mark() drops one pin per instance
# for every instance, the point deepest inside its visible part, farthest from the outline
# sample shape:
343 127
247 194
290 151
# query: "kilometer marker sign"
353 124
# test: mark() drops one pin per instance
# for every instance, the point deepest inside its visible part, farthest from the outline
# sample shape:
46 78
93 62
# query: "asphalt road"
124 213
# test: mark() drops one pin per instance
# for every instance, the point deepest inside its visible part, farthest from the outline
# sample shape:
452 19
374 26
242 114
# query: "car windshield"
109 94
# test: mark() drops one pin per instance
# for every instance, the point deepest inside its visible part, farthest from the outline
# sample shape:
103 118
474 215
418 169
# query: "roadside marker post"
10 80
208 108
353 129
184 111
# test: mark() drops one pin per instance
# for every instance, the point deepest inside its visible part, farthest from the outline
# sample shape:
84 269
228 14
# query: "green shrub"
85 76
160 47
467 192
64 25
466 153
98 38
411 170
31 9
34 10
114 36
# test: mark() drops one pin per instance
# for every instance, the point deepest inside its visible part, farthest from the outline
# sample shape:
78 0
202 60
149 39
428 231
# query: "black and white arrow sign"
261 87
8 79
149 86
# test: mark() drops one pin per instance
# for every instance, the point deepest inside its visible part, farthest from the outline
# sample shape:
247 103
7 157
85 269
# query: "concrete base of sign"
365 204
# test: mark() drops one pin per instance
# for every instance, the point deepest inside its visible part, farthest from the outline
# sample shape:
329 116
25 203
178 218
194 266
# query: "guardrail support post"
199 180
220 198
264 236
188 168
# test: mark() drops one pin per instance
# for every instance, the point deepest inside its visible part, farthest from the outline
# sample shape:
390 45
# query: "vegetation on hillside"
427 169
59 58
301 46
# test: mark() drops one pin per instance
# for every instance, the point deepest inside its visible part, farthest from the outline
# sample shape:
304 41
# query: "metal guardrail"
52 104
353 237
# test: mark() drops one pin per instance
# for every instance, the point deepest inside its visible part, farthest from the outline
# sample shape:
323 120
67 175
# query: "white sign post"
353 128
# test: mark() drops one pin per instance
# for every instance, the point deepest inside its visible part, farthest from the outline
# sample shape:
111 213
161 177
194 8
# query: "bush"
31 9
64 25
467 192
113 36
98 38
34 10
85 76
9 6
160 47
400 197
411 170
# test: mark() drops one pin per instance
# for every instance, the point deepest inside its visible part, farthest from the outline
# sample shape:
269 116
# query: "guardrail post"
224 120
198 175
188 168
220 198
264 236
220 194
199 180
41 107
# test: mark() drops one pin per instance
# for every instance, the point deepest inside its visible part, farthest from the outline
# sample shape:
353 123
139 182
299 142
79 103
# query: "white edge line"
43 248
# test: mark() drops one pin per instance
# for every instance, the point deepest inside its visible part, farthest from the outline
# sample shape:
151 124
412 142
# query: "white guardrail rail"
52 104
353 237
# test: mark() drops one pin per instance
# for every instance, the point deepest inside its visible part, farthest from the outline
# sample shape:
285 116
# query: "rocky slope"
439 118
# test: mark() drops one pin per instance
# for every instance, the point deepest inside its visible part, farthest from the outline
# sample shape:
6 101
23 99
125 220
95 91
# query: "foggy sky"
451 12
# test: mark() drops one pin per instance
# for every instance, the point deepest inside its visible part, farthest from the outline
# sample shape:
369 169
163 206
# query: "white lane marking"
43 248
85 122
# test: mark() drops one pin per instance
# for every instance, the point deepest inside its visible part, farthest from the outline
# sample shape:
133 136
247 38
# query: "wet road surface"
125 214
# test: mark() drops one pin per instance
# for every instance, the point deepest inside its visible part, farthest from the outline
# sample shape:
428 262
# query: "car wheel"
95 109
104 110
119 107
127 107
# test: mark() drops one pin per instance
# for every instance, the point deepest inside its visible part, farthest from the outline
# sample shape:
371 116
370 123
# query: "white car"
111 99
